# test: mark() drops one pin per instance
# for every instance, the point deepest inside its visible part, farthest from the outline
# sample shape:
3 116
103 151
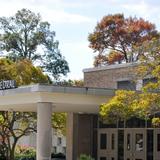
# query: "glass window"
64 150
54 149
59 141
139 142
113 141
129 85
103 158
103 141
128 141
147 80
158 142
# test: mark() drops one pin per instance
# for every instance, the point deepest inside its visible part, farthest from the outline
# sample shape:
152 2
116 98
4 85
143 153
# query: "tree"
24 36
146 103
71 83
59 122
127 104
22 71
121 35
14 125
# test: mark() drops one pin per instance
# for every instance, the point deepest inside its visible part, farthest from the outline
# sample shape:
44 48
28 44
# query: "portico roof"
63 99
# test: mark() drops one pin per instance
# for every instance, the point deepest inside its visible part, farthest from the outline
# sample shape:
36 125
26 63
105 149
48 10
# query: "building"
137 140
86 133
58 142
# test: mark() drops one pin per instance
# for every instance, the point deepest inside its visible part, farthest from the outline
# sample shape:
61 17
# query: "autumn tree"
14 125
25 35
145 104
118 34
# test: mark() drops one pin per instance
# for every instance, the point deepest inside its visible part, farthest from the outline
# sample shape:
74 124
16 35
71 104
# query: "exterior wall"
82 137
85 133
107 77
58 142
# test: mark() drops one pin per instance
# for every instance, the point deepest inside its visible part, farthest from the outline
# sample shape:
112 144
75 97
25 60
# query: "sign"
7 84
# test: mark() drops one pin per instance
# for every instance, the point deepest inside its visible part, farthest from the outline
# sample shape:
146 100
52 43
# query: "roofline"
113 66
59 89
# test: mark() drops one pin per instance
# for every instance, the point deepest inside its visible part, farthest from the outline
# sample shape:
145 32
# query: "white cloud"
142 8
60 16
51 10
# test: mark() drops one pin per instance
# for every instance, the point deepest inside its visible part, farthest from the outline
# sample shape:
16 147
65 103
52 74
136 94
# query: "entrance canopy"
45 99
63 99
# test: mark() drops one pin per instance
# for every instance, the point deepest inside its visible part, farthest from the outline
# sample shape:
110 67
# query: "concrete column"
44 132
69 136
139 84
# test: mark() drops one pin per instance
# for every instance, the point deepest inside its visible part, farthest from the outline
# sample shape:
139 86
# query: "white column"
44 132
139 84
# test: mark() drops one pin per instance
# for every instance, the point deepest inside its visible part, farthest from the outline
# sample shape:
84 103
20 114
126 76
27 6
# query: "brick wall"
107 77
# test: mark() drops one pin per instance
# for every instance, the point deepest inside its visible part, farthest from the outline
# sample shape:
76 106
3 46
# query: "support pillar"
44 131
69 136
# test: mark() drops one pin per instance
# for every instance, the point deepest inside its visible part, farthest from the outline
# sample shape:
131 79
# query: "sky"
73 20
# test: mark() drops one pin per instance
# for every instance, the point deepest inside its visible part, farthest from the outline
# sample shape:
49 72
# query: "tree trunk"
13 150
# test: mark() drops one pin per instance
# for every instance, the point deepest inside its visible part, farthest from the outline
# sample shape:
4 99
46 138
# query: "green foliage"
118 107
22 71
59 122
71 83
24 152
156 122
146 103
24 34
85 157
15 125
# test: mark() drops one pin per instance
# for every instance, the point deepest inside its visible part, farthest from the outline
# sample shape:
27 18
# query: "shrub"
85 157
25 153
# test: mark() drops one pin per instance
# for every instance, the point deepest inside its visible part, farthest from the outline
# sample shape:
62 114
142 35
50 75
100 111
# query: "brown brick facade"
107 77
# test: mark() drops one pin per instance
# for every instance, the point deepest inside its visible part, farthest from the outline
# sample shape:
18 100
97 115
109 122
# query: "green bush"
85 157
24 152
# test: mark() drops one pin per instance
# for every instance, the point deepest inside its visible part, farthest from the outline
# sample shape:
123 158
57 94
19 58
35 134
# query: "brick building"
136 140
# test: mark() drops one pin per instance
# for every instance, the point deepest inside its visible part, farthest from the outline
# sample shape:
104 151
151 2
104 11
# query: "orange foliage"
120 34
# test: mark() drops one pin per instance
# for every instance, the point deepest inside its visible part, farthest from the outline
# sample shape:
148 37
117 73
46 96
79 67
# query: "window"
113 141
139 142
103 141
59 141
128 141
103 158
158 142
54 149
147 80
64 150
128 85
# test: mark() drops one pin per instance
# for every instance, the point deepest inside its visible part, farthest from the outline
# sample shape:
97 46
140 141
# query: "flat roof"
114 66
63 99
58 89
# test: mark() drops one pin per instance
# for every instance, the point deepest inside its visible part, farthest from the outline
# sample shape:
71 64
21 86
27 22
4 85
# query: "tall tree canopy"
146 103
22 71
115 33
24 35
14 125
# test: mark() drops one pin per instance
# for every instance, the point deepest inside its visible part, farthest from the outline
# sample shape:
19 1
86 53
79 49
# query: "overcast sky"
73 20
